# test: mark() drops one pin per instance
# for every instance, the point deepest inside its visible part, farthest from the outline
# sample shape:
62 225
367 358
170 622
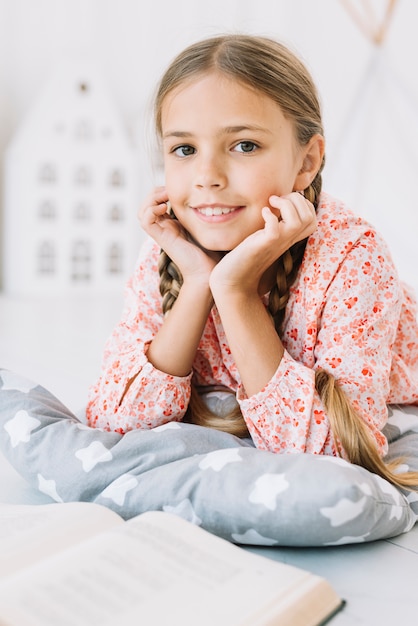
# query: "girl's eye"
246 147
184 151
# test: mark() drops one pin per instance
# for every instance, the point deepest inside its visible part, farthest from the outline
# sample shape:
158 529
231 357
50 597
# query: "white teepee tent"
373 179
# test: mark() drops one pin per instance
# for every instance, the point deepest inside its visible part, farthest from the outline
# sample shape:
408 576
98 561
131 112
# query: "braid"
352 435
289 264
198 412
288 267
171 281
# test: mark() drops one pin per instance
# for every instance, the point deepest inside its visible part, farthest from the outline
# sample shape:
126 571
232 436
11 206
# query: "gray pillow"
213 479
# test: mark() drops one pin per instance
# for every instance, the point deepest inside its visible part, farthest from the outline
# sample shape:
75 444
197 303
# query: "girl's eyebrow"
176 133
251 127
228 130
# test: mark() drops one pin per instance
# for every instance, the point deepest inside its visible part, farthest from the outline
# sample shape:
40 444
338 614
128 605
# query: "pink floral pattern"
348 313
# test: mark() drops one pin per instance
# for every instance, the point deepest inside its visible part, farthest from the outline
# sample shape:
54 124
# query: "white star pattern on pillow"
400 502
344 511
20 427
252 537
396 512
402 420
217 459
412 496
117 490
185 510
386 487
49 487
267 488
348 539
95 453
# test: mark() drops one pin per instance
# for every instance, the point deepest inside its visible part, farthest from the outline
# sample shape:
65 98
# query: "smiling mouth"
217 210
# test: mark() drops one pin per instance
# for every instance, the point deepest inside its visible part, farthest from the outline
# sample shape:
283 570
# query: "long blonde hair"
271 68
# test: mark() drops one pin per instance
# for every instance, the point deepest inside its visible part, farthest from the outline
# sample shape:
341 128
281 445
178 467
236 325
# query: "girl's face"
227 149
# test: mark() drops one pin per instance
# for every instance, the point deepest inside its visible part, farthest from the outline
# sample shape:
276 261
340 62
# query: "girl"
253 281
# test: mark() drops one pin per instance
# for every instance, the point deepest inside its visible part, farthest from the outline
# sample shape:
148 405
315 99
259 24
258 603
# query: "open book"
80 564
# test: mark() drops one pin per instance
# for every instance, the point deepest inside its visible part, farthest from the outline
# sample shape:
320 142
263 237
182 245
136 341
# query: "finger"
154 214
305 208
159 194
298 216
156 201
270 218
294 207
275 203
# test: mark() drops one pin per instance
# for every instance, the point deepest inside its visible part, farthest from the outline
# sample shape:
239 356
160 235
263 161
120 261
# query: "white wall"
370 114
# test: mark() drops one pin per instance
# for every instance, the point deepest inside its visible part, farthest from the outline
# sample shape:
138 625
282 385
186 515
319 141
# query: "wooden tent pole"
367 21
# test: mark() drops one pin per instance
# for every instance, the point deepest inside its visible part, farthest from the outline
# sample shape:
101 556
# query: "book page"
31 532
154 569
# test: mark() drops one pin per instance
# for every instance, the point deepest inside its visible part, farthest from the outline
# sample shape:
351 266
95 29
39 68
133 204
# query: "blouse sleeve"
130 393
352 331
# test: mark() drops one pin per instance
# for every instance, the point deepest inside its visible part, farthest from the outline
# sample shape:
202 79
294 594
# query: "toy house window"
115 259
116 213
82 212
83 176
47 210
47 173
46 258
81 261
116 178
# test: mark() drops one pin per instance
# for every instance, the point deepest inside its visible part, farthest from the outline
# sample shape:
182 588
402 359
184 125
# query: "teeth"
209 211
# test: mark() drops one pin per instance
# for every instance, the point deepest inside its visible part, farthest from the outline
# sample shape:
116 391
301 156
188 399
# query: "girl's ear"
312 156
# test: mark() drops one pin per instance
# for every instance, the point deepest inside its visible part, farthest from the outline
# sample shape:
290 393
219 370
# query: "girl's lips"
216 211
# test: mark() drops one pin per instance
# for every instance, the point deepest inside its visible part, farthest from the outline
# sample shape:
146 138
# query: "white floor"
59 341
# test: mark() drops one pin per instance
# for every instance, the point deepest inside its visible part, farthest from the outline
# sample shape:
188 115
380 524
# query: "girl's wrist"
233 291
198 288
234 298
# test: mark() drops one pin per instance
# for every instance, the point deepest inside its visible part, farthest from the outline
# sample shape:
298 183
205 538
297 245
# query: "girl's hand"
167 232
290 219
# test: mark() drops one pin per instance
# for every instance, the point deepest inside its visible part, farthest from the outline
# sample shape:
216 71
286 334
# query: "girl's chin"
212 246
216 250
219 246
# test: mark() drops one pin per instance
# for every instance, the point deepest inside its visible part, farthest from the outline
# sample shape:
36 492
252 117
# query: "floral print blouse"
348 313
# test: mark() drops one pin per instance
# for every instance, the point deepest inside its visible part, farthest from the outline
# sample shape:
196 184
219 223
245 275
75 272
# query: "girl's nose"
210 173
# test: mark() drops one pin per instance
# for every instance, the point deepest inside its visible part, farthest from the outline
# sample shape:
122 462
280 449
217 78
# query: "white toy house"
71 183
